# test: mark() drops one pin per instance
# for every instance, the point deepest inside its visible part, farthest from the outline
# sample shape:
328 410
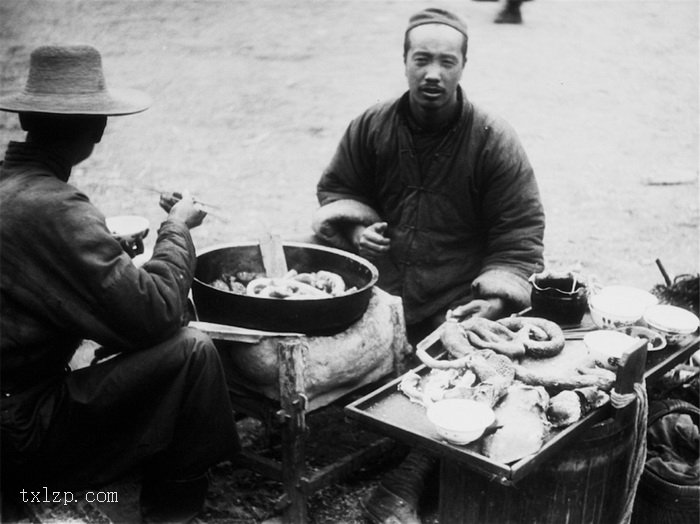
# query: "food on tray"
293 286
541 338
579 378
484 376
514 337
570 406
525 426
522 369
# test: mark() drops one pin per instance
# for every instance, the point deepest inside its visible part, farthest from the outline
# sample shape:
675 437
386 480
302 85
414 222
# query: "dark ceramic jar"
561 299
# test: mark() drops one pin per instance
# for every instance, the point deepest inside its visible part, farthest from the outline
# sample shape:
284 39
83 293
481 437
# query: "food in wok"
293 285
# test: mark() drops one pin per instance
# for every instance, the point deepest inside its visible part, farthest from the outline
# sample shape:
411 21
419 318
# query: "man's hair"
407 45
49 126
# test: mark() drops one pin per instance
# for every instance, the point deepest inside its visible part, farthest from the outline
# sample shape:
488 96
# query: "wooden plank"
273 257
237 334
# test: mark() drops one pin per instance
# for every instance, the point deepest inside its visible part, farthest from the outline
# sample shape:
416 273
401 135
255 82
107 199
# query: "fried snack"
548 338
454 339
599 378
487 334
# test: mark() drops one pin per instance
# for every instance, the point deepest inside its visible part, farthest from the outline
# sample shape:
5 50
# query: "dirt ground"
251 97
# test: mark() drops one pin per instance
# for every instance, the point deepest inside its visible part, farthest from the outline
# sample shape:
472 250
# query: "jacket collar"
463 109
23 154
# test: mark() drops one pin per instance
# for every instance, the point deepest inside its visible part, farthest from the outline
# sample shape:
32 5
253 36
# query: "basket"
659 501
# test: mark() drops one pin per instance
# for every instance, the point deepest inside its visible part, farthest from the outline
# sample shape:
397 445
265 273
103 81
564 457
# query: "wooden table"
281 378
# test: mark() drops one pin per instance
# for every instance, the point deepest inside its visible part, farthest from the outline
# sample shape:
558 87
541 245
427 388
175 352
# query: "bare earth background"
251 98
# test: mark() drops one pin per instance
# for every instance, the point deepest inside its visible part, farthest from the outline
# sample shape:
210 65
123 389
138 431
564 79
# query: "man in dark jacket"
161 406
441 196
437 192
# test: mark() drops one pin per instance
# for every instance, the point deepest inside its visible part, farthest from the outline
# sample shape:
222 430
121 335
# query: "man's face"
434 65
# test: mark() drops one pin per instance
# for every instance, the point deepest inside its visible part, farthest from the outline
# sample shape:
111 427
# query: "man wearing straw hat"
161 406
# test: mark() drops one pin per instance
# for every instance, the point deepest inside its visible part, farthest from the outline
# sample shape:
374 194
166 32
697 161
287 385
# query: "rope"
621 400
639 453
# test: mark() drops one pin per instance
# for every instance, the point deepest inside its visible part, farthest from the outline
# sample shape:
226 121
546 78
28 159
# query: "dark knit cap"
434 15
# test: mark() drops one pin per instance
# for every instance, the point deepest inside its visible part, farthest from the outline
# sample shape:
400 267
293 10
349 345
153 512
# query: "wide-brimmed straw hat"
68 80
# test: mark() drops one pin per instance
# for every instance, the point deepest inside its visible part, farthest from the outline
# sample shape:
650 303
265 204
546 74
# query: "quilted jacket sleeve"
515 218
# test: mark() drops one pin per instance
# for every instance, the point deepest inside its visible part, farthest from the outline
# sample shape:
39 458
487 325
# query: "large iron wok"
322 316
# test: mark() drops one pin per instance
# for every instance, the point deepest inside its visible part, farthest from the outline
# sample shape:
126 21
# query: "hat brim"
115 102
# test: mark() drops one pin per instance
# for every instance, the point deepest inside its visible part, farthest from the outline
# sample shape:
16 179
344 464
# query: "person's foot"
509 15
385 507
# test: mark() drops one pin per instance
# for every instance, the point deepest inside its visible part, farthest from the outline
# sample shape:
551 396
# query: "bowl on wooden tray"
674 323
460 421
616 306
608 346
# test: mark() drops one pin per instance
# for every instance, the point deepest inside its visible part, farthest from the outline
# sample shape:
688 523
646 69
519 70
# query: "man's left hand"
492 308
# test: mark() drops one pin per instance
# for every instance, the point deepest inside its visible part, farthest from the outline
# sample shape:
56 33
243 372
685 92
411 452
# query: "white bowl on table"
607 347
617 306
460 421
673 322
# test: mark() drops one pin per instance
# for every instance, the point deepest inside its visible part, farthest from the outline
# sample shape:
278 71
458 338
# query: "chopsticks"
177 196
577 333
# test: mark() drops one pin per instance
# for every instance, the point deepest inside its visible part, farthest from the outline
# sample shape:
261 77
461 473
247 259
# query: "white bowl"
673 322
128 228
607 347
640 296
618 306
460 421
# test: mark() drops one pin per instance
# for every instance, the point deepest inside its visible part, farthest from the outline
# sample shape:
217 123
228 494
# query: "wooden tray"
389 411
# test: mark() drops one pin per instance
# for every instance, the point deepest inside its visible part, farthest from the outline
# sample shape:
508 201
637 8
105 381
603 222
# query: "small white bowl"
617 306
460 421
128 228
607 346
673 322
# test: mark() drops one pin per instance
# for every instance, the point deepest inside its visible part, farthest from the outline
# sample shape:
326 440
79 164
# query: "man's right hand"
182 208
371 241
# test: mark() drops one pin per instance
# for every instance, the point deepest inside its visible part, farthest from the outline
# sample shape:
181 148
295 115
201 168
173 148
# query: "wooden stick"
667 279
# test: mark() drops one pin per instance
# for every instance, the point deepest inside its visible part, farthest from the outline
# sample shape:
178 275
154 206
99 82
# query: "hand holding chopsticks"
182 207
167 200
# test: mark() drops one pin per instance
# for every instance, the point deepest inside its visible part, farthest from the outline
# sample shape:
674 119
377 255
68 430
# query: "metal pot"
322 316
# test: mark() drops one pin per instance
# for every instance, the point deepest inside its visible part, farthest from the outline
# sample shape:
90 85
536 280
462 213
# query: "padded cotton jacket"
63 277
470 225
